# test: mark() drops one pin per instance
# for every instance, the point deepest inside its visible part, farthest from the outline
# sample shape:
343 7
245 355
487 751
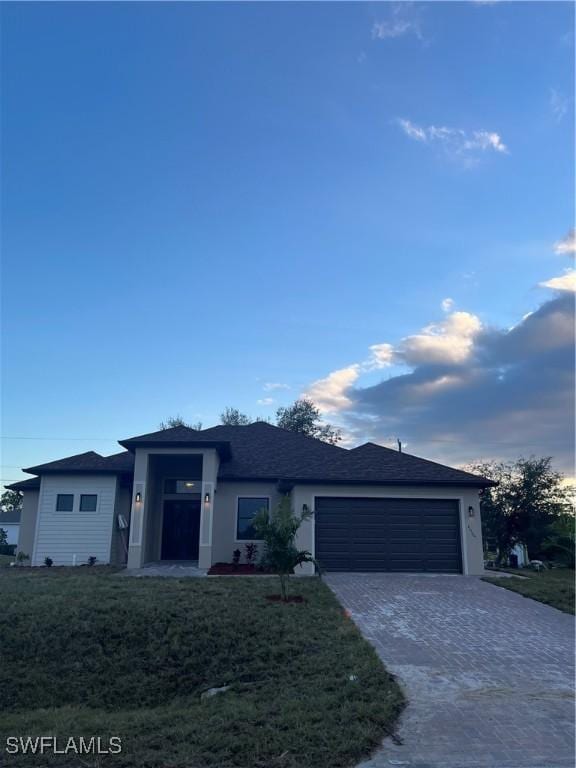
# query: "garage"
388 534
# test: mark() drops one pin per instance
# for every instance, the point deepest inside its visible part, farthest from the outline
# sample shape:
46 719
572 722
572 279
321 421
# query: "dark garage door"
411 535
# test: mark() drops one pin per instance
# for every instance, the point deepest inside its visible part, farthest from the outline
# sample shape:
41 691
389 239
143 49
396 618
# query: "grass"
554 587
5 560
94 653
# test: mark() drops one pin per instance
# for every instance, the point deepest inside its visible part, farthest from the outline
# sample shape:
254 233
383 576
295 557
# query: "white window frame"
248 496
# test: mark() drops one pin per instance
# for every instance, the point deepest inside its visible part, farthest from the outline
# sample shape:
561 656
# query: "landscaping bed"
91 653
553 586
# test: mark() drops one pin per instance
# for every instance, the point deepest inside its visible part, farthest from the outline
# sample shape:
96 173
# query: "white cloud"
567 245
271 386
447 304
558 104
565 282
381 356
265 401
329 394
455 142
403 20
448 342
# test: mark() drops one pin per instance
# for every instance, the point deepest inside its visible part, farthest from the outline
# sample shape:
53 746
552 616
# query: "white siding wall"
61 535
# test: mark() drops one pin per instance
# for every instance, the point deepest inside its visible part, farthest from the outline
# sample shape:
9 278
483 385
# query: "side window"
247 509
88 502
64 502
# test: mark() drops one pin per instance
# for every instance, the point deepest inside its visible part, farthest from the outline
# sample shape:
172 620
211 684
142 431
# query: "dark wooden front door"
180 530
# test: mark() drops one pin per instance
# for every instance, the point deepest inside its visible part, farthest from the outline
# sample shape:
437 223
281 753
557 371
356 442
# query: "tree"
178 421
234 418
3 537
304 417
561 540
529 498
11 501
278 531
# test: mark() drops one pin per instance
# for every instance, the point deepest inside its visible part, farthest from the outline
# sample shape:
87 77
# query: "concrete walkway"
488 673
166 569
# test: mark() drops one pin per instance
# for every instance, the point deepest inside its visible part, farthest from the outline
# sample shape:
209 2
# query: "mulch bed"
230 569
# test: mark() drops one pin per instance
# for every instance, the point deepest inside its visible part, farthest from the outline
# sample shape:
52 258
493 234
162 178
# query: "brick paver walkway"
488 673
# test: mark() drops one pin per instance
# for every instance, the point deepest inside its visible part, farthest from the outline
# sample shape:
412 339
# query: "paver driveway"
488 673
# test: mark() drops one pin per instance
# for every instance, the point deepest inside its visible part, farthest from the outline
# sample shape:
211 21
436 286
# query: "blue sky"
200 200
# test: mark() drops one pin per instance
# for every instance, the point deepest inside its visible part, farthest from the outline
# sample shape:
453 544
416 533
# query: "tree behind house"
529 498
304 417
234 418
178 421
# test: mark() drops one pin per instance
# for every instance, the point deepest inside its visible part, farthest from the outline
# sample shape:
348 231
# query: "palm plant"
278 531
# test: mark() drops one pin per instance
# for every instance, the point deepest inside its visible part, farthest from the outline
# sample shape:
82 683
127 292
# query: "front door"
180 530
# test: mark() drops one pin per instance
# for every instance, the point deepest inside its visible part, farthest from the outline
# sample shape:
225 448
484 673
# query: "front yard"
554 587
89 652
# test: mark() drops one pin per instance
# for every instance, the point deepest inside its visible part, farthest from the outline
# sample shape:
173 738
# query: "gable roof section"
179 436
371 460
261 451
31 484
90 461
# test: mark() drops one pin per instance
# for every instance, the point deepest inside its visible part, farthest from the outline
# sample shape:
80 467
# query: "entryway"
180 529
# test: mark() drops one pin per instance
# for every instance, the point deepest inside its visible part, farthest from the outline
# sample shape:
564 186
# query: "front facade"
184 495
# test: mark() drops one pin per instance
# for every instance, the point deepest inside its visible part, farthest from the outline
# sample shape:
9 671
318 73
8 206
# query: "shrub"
92 560
278 530
48 562
236 556
251 550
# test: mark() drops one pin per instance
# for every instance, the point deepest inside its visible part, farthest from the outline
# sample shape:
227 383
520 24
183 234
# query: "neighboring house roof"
261 451
11 516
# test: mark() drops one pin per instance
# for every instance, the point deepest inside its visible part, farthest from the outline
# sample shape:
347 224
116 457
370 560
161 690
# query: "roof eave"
223 447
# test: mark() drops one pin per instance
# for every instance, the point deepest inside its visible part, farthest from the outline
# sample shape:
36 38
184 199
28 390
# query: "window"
64 502
88 502
182 486
247 508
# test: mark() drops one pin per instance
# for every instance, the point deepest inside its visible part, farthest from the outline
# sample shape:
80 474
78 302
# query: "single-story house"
181 494
10 523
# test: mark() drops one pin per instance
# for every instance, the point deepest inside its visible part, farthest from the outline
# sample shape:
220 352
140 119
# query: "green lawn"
554 587
93 653
5 560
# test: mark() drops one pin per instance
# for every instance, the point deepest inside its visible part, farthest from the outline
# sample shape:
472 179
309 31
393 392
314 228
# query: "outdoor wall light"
470 511
206 498
138 497
305 508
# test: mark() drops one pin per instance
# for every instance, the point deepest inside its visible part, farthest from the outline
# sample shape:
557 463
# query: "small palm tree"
278 531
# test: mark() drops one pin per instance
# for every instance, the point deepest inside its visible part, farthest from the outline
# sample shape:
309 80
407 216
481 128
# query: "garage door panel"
383 534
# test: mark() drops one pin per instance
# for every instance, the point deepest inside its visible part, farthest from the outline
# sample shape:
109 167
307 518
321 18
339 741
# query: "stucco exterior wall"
28 523
224 540
470 527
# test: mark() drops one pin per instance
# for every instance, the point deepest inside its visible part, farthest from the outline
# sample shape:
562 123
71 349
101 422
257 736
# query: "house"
10 523
190 495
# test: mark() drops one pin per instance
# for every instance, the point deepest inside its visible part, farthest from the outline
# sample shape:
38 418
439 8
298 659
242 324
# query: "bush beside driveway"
85 652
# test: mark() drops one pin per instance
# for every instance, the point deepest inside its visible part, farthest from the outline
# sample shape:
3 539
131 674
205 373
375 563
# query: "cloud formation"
265 401
455 142
465 391
565 282
403 20
558 104
567 245
272 386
